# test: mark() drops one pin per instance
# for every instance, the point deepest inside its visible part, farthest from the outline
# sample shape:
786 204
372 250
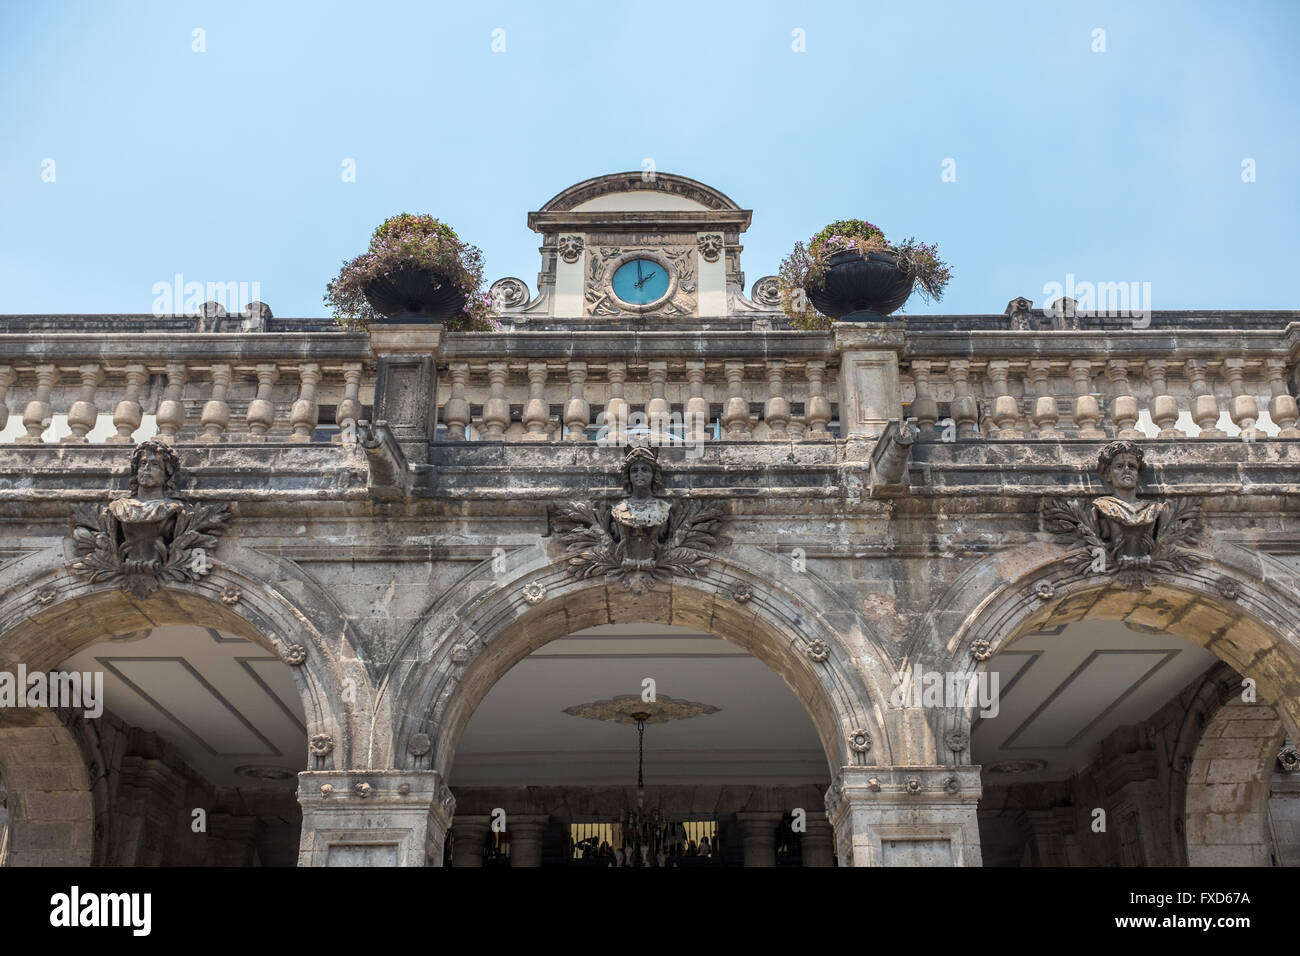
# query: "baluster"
1242 407
496 410
735 419
1282 407
925 409
1006 410
171 410
1164 407
128 414
1205 408
1087 413
1123 407
965 410
697 409
215 417
777 412
349 410
537 414
83 414
261 412
577 410
657 410
616 409
38 414
7 377
819 409
305 413
455 414
1046 414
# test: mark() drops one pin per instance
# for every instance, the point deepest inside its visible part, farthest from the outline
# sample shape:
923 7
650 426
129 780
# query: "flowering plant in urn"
851 272
416 270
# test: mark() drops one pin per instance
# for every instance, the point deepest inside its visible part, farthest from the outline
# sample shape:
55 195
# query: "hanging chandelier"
645 834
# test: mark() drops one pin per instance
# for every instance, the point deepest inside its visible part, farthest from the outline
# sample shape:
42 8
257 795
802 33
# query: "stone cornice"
160 348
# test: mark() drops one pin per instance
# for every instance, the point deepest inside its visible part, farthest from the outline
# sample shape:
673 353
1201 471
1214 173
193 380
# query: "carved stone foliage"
150 537
643 538
1120 535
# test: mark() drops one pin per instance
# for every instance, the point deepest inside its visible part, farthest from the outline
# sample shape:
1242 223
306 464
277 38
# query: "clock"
640 281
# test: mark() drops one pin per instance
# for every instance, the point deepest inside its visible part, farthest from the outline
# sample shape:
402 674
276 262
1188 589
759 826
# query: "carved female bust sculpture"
1129 526
641 516
148 515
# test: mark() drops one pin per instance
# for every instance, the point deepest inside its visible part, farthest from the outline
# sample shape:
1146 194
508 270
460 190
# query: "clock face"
641 281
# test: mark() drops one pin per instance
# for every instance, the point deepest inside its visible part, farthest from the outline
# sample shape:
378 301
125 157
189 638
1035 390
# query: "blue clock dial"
641 281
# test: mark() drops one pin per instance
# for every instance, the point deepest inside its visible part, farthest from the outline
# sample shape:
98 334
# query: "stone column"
406 384
817 843
869 391
373 818
526 831
758 832
906 816
470 835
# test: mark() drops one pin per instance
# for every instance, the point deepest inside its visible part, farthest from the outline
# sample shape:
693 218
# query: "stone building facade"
324 576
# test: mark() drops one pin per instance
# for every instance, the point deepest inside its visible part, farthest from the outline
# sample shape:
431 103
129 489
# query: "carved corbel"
889 459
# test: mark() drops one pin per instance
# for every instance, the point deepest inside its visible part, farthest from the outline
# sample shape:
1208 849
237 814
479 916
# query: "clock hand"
638 272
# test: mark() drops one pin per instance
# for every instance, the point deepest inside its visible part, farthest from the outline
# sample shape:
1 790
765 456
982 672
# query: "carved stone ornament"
419 745
363 790
509 293
1045 590
742 594
860 741
46 595
710 246
534 592
445 797
644 538
952 784
817 651
150 537
570 247
1228 588
957 740
767 292
295 654
321 745
1288 759
913 785
230 594
1120 535
980 649
874 785
459 654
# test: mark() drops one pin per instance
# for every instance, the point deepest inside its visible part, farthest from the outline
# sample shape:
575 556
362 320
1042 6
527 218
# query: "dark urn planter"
415 296
861 288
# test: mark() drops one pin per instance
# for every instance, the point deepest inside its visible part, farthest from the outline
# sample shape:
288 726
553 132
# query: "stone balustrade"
1131 384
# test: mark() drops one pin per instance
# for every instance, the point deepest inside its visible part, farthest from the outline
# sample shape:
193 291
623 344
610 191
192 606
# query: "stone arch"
1241 605
476 634
266 600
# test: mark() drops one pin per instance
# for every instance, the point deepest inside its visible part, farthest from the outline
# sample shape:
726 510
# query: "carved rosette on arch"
644 538
1122 536
150 537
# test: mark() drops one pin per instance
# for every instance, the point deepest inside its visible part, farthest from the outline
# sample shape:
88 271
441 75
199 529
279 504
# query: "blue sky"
225 165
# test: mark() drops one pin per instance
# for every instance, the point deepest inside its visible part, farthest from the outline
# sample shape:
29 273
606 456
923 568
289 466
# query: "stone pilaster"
373 818
906 816
406 384
869 396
